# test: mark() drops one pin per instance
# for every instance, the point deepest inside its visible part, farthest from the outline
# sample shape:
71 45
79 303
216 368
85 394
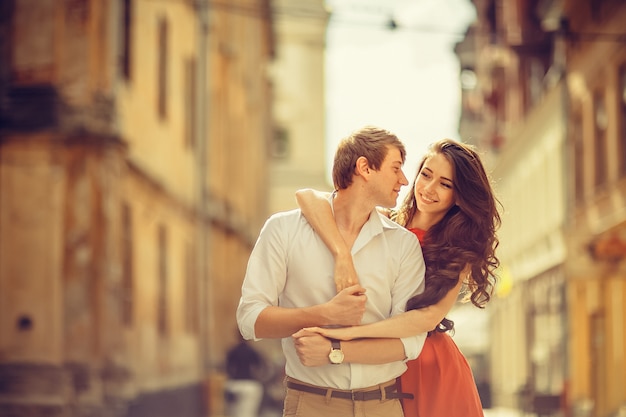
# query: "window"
536 74
191 291
125 57
576 132
162 325
280 144
190 103
498 93
621 139
600 148
496 101
600 9
127 266
162 68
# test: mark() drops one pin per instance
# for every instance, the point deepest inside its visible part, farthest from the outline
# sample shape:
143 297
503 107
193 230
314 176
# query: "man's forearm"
278 322
345 309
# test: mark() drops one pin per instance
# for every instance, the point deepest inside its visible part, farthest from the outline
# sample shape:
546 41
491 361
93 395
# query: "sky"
405 80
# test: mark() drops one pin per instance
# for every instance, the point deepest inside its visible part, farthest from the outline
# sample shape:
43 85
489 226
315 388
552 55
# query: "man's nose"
403 179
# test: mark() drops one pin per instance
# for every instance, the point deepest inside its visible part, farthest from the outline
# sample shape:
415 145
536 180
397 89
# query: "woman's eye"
446 185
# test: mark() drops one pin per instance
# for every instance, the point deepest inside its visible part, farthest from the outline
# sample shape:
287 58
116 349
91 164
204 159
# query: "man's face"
389 179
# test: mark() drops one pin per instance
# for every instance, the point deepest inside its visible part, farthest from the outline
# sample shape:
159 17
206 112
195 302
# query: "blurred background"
144 143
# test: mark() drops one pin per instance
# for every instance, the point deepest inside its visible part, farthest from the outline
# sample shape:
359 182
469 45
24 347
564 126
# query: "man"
289 285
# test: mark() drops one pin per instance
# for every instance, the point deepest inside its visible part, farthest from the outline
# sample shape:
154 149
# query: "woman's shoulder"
418 232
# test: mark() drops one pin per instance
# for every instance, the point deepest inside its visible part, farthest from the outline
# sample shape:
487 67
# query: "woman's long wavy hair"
465 236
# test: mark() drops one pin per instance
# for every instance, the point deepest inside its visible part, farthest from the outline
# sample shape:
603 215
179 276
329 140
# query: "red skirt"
441 381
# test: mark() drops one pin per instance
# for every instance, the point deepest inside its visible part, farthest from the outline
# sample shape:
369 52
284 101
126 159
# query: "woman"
453 212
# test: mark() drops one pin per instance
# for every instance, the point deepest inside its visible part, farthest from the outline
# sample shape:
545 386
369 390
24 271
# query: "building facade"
596 226
133 178
544 87
298 154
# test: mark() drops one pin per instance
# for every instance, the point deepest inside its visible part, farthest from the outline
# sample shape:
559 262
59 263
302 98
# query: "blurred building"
545 98
134 156
298 152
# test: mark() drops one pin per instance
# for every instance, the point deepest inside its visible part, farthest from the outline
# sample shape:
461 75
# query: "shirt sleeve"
265 276
410 282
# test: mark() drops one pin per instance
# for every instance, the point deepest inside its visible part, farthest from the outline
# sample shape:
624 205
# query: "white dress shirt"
291 267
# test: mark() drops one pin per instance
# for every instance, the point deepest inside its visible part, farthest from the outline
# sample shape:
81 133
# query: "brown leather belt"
375 394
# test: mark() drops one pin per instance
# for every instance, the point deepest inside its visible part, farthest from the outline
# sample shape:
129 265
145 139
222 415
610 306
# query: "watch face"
336 356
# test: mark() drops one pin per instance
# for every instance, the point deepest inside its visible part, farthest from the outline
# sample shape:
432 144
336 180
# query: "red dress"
440 379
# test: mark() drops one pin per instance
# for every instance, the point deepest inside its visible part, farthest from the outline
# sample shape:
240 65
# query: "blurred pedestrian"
289 285
452 211
245 368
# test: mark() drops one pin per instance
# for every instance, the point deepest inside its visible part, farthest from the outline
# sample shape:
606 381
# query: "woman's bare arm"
313 349
406 324
373 343
317 211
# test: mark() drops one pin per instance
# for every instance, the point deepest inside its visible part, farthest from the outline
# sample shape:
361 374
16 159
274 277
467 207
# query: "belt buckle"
359 395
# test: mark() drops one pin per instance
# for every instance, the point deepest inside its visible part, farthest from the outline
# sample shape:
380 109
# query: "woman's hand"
316 209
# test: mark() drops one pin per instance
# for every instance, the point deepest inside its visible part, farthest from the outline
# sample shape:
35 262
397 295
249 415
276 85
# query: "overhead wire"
339 20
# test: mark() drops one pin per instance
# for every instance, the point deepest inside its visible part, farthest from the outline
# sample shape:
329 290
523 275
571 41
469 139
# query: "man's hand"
347 307
312 348
345 274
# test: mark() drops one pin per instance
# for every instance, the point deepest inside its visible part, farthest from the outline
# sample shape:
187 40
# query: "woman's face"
434 191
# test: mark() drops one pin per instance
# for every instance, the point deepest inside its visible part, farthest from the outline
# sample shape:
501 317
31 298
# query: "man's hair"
370 142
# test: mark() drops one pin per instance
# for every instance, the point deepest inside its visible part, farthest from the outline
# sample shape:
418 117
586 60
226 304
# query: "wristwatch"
336 354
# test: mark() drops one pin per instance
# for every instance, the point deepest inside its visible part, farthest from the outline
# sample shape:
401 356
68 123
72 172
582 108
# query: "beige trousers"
304 404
